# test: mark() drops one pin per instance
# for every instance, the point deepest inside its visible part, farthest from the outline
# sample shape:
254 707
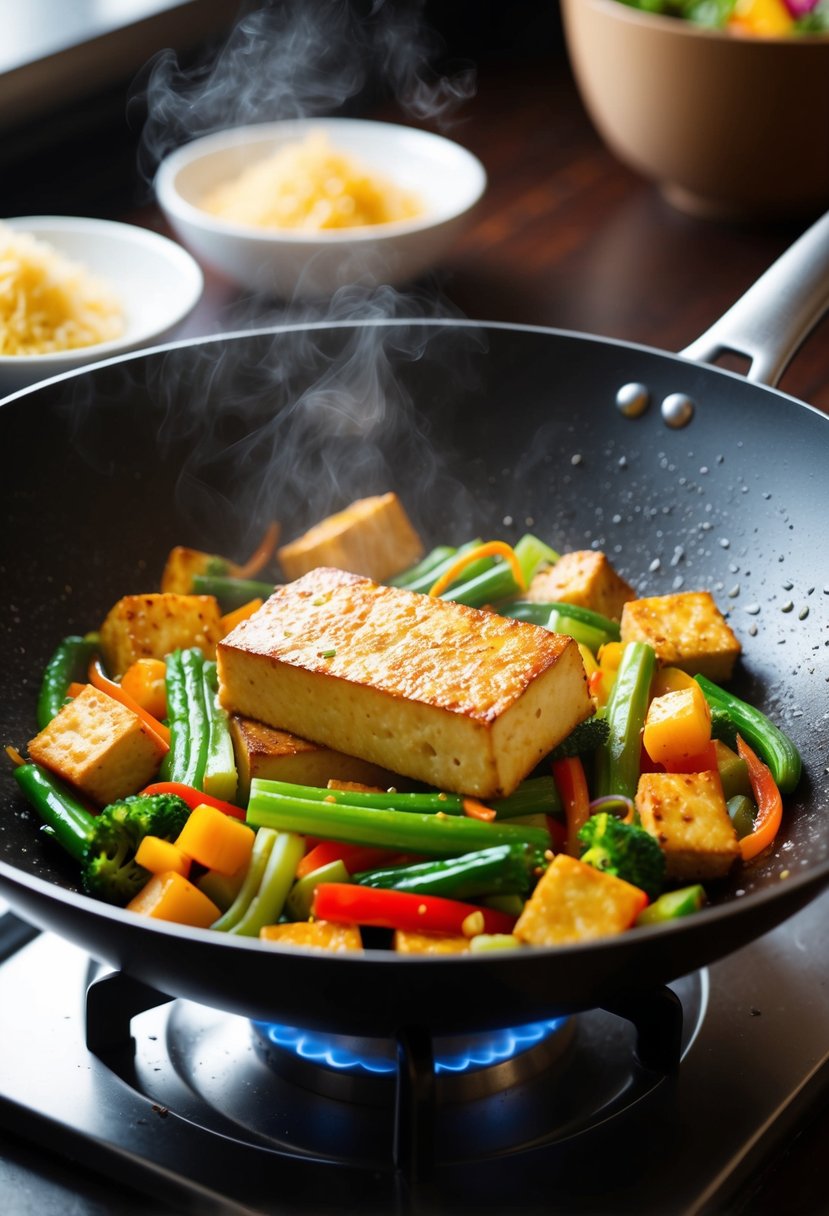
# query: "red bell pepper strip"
386 909
571 784
194 797
769 803
355 857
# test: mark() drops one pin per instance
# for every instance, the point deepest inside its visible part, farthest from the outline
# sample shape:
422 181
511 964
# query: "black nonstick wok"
484 430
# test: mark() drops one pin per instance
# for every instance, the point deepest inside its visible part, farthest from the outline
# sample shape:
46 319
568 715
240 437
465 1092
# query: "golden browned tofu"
276 755
429 943
687 814
459 698
687 630
373 536
316 935
99 746
585 578
184 564
575 902
151 626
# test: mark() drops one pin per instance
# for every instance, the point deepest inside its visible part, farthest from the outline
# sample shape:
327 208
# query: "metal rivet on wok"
632 399
677 410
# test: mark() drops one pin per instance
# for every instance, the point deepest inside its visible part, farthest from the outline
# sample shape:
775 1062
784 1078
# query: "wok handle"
770 321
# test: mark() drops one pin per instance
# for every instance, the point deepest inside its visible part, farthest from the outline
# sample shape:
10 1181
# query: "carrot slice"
262 553
477 810
102 682
490 548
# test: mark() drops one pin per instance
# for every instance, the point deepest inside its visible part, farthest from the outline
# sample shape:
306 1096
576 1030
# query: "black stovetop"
189 1115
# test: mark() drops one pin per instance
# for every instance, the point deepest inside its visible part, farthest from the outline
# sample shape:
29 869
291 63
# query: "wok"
483 429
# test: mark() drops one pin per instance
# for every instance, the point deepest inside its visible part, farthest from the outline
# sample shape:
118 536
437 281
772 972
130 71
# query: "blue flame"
474 1051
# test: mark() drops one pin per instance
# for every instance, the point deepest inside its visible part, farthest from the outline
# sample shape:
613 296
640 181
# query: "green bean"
770 743
432 835
280 870
617 760
69 662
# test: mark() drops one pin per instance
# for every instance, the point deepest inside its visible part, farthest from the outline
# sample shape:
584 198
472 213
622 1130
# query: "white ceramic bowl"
157 282
293 264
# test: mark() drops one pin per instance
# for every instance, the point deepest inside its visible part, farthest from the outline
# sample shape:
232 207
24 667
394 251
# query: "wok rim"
389 322
815 877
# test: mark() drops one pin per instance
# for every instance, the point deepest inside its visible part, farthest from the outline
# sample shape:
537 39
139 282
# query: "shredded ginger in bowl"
310 185
49 303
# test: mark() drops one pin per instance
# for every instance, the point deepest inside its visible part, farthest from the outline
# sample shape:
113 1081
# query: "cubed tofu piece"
687 814
585 578
153 625
462 699
687 630
276 755
574 902
183 564
429 943
315 935
373 536
99 746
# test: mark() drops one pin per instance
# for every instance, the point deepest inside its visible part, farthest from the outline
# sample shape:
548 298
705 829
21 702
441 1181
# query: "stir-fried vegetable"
436 834
640 804
69 662
760 18
619 758
104 844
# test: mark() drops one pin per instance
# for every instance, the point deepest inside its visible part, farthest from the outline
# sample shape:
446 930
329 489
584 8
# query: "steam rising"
316 413
299 60
297 424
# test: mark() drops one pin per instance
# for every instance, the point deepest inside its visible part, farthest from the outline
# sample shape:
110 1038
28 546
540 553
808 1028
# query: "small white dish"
156 281
301 264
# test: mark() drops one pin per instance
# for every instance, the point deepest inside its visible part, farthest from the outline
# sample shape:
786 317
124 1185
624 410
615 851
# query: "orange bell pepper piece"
171 896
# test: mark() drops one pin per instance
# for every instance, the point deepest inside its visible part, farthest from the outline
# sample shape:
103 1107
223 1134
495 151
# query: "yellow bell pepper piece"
677 726
215 840
669 679
144 680
158 855
171 896
761 18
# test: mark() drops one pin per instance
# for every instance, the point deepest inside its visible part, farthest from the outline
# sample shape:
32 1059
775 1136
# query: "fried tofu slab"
99 747
687 630
373 536
584 577
150 626
459 698
275 755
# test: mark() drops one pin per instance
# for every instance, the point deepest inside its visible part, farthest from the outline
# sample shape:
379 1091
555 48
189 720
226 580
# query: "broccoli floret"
584 738
625 851
109 870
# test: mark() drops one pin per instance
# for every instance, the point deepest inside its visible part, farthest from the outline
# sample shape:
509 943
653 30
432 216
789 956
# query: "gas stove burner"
185 1104
466 1066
